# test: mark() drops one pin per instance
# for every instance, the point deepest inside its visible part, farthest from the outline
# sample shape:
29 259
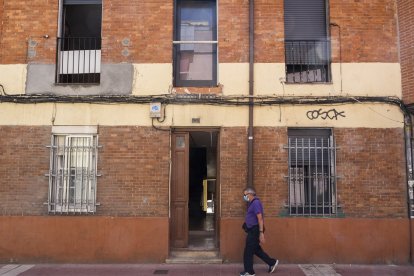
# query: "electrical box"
155 110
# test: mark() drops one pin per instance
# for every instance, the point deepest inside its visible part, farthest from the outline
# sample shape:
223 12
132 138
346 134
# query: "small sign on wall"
155 110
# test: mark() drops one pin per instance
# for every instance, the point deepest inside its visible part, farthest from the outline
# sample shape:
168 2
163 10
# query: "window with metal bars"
312 173
72 175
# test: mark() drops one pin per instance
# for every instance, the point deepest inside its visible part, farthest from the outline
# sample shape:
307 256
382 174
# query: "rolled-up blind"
82 2
305 19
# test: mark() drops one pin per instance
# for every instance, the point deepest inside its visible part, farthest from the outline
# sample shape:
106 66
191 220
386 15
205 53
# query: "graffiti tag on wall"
330 114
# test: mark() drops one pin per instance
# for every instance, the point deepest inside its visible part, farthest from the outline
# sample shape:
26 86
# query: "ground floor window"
72 176
312 174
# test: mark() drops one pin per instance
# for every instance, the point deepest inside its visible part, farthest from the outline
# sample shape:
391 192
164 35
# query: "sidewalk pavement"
200 269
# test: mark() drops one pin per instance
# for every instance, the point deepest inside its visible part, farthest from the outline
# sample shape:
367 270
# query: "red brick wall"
1 26
233 170
24 161
370 163
366 27
233 28
406 35
269 31
134 162
270 168
29 20
148 25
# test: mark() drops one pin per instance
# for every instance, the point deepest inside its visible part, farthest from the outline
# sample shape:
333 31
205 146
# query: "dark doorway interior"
202 189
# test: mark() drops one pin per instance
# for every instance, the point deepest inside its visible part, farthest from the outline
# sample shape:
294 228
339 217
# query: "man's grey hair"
250 190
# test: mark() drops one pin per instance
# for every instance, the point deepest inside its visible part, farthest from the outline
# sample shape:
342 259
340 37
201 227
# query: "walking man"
254 227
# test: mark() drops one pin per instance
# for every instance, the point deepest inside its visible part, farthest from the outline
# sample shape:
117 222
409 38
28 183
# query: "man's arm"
261 227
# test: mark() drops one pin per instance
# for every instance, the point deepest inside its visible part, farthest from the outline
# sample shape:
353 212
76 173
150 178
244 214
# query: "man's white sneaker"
272 268
244 273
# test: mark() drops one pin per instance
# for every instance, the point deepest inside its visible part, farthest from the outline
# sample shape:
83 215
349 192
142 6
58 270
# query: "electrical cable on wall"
54 114
207 100
163 115
3 91
380 113
158 128
211 99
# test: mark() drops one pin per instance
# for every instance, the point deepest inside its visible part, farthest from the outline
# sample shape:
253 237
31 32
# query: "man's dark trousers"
253 248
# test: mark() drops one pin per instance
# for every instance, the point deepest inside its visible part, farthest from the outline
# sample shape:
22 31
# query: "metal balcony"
78 60
308 61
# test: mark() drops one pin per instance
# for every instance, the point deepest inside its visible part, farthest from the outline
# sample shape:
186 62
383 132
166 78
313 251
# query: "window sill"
78 84
198 90
308 83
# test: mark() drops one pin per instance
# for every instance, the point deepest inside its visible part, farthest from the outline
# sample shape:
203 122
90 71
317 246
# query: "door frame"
217 207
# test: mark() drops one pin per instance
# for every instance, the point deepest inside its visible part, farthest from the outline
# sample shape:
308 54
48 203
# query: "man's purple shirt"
255 207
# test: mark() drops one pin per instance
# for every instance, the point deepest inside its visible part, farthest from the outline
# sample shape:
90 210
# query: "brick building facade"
405 12
88 176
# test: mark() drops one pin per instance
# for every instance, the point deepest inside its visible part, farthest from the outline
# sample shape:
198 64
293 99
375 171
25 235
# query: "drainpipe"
408 131
251 76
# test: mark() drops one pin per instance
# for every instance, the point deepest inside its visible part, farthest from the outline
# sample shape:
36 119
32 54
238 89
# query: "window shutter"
305 19
82 2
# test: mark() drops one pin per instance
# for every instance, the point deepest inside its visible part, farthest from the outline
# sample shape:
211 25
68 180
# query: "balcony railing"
307 61
78 60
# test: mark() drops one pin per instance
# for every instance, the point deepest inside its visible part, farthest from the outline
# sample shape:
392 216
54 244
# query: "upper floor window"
195 43
307 46
312 172
79 42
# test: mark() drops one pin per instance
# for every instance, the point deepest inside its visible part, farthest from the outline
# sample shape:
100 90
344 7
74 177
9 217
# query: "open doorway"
202 193
195 196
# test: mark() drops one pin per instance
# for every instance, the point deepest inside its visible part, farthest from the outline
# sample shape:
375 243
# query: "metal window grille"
307 61
78 60
73 173
312 175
